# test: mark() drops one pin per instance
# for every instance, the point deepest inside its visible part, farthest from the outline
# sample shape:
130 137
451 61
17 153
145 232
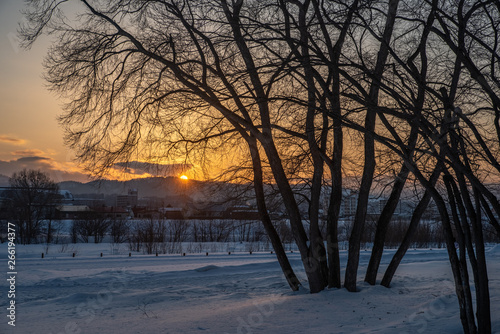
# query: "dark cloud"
33 159
142 168
68 171
57 171
28 152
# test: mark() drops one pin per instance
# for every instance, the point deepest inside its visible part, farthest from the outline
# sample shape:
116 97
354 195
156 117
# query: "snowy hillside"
221 293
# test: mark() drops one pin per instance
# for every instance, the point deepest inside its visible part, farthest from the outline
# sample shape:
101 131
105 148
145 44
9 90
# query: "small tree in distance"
92 225
32 205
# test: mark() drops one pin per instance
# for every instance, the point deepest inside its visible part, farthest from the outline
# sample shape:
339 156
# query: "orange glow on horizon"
183 177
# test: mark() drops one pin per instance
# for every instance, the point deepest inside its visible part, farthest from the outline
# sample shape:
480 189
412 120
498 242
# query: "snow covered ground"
221 293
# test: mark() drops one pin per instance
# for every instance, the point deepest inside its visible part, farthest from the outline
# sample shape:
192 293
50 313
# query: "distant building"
72 211
113 212
243 212
207 211
91 200
129 200
171 213
349 203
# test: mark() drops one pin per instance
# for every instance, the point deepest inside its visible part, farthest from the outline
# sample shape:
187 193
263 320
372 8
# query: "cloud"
28 152
140 168
11 140
56 170
69 171
34 160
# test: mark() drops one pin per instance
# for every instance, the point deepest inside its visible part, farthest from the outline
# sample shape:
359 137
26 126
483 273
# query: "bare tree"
290 85
33 196
149 236
177 230
177 84
92 225
119 230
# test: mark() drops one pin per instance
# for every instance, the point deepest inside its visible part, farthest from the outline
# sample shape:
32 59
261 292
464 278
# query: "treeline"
30 202
139 232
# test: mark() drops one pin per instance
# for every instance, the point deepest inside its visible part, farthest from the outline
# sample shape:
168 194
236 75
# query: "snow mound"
237 293
76 298
206 268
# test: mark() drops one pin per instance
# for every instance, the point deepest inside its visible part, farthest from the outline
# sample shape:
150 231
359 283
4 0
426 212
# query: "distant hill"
146 187
162 187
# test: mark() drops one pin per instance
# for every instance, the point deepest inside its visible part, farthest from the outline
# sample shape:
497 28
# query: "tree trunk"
332 241
369 149
314 254
405 244
491 217
292 280
388 211
468 323
383 225
482 286
472 218
415 220
463 240
311 264
317 247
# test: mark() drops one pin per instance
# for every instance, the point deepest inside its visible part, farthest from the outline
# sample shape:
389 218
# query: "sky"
30 135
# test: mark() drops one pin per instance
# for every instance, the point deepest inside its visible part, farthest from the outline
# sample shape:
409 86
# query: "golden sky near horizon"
30 136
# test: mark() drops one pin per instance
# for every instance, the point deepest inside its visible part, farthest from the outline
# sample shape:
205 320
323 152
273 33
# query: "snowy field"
221 293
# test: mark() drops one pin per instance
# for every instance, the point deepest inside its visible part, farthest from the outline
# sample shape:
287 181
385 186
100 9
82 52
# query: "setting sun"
183 177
